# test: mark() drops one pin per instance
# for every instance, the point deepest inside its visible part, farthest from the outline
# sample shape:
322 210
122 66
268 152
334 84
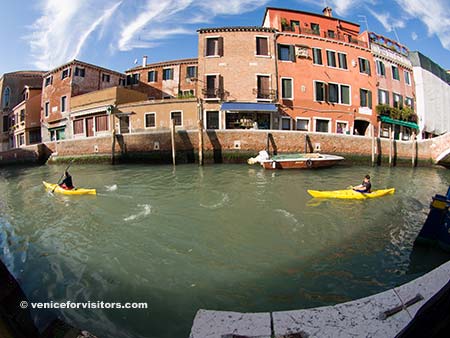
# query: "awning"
387 119
248 106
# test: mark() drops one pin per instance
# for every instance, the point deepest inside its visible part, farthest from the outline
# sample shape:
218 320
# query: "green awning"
387 119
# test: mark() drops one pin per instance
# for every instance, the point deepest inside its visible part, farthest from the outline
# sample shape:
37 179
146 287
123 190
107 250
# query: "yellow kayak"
77 191
351 194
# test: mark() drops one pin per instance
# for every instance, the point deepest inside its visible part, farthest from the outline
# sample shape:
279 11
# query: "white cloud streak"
389 23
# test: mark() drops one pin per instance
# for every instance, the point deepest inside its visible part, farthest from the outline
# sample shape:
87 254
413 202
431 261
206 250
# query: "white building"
432 95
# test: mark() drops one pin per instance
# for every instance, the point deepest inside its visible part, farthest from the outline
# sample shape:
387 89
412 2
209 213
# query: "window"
381 70
214 46
212 120
150 120
78 127
57 134
168 74
46 109
302 124
5 123
407 77
262 46
331 34
65 73
342 60
341 127
21 139
383 96
286 53
286 123
365 97
106 77
63 103
177 116
188 93
395 73
6 97
151 76
322 126
212 86
121 82
317 56
191 72
101 123
133 79
331 58
345 94
80 72
34 136
48 80
364 66
22 115
294 25
319 91
286 89
263 90
398 101
409 102
315 28
333 93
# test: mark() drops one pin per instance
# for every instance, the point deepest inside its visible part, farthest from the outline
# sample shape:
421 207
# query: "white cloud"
341 7
434 14
389 23
414 36
61 31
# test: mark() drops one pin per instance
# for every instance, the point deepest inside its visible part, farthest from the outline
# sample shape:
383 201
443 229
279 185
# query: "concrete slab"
224 324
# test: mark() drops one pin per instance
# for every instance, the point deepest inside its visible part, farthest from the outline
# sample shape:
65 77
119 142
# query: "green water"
225 237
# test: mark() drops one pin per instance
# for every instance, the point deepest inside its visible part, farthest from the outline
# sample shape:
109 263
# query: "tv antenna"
364 20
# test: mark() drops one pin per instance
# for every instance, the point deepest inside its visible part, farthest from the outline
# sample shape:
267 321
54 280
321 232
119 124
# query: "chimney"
144 61
327 12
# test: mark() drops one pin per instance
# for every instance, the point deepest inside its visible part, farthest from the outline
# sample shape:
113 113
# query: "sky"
43 34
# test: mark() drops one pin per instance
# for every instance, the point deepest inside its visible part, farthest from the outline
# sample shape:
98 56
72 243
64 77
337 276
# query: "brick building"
63 83
11 94
164 80
237 77
25 119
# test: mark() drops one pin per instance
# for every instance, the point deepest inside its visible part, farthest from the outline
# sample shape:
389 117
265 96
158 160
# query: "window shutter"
369 99
220 48
361 66
387 97
292 53
368 67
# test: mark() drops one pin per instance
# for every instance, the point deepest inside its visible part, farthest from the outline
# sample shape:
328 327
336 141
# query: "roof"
237 29
422 61
307 13
164 63
249 106
81 63
30 73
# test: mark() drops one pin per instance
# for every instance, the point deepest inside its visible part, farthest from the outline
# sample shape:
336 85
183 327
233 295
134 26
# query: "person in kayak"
365 186
67 182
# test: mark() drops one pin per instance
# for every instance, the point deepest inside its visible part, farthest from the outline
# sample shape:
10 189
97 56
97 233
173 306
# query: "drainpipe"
275 37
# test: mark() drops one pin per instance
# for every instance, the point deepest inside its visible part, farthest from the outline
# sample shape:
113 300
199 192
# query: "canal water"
224 237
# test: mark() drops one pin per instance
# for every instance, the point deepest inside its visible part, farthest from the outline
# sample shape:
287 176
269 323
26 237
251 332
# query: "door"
89 126
124 124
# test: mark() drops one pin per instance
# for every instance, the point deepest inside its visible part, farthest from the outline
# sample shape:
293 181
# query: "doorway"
360 127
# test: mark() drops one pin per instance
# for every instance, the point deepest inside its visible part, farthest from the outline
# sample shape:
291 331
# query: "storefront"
248 115
403 130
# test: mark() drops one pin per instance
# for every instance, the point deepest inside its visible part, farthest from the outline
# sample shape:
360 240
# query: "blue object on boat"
436 229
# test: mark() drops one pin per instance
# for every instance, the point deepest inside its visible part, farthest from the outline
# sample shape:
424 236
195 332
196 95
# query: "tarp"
248 106
387 119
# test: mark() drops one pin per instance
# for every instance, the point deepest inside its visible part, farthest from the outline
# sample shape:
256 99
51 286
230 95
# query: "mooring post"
200 142
268 143
172 139
113 146
373 145
306 143
414 147
390 145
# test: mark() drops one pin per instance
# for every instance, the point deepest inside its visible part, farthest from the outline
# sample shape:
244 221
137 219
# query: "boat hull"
351 194
302 161
56 188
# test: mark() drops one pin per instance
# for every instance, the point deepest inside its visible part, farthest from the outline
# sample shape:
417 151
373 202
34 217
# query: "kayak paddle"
59 181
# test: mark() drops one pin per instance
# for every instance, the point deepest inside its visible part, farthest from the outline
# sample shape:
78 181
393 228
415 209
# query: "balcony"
213 93
265 95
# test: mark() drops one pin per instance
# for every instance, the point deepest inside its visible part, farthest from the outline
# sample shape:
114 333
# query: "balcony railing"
213 93
270 94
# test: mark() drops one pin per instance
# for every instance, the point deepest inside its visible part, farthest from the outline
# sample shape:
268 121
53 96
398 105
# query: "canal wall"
381 315
232 146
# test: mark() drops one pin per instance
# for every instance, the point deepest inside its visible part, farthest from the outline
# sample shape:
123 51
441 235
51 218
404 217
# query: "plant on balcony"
403 113
284 23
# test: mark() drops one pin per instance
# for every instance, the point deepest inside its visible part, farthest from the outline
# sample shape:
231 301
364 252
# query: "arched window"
6 97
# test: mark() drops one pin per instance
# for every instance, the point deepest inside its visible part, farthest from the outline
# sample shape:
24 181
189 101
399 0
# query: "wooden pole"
390 145
373 145
414 145
200 142
113 146
172 139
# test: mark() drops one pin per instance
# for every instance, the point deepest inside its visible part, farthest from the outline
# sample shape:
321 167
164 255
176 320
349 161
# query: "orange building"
164 80
325 70
26 119
64 82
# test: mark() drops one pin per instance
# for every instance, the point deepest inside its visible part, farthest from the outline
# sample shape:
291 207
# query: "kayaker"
365 186
67 182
